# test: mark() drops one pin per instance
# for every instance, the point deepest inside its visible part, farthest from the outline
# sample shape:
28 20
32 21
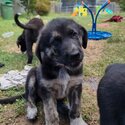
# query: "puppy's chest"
60 87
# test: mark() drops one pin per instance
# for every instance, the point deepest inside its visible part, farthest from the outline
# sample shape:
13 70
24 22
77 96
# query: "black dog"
60 76
111 96
29 35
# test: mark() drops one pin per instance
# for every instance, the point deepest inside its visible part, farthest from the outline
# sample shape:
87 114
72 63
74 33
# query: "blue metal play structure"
94 34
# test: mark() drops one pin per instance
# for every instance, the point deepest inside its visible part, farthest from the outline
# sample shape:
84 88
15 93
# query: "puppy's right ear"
84 37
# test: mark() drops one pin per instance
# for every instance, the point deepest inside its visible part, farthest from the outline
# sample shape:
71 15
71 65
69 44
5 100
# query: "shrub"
122 4
29 4
42 8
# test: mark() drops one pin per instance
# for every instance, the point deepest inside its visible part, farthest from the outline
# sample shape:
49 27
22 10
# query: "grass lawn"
98 55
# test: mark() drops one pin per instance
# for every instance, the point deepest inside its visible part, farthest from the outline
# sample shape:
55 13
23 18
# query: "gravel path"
92 81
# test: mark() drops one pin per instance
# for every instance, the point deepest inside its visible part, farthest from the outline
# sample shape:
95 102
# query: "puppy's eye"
56 41
58 38
55 51
72 33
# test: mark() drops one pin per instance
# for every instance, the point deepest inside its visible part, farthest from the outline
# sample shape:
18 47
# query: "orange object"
109 1
75 13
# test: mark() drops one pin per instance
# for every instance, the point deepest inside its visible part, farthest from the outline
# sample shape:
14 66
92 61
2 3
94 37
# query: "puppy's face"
61 42
21 43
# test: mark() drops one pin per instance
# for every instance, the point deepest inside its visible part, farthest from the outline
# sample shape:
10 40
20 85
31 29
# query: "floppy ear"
42 44
84 37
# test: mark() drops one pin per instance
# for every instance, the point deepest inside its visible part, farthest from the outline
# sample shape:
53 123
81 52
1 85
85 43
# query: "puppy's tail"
28 26
11 100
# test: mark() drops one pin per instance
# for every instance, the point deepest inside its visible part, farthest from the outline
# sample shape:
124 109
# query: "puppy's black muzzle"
75 58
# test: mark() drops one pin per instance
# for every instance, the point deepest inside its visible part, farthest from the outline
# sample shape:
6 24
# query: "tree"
122 4
42 8
30 5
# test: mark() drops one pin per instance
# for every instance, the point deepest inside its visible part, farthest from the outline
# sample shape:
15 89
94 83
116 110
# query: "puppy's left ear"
84 37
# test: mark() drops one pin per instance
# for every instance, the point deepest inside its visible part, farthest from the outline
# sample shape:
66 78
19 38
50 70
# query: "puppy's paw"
31 113
77 121
24 52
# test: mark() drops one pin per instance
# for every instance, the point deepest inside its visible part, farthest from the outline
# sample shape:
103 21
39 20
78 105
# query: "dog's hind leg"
31 95
75 100
49 106
29 44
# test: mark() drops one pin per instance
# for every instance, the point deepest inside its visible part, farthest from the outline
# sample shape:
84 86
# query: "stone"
14 78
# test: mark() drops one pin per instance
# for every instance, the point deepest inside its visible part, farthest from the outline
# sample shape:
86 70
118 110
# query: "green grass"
113 51
14 61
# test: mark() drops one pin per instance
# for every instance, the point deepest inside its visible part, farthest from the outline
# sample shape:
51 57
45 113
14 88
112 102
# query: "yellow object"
76 9
81 11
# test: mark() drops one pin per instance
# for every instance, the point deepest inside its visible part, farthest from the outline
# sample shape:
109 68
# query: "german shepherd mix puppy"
111 96
60 74
29 35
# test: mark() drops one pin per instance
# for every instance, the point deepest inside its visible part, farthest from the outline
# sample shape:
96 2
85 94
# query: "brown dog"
29 35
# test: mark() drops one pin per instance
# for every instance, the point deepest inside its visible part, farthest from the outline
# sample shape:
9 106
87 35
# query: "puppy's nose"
75 56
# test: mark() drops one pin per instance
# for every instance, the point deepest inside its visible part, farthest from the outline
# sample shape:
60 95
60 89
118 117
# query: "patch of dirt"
14 48
92 82
89 106
94 51
22 120
89 110
103 25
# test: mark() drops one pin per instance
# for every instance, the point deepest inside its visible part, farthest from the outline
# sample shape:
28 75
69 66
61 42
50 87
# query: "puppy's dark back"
114 72
37 22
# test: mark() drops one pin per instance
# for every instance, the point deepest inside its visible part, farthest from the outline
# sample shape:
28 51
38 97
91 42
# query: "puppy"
111 96
29 35
60 75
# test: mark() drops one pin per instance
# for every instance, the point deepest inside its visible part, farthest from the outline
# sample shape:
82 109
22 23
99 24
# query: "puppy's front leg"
31 95
75 100
49 106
